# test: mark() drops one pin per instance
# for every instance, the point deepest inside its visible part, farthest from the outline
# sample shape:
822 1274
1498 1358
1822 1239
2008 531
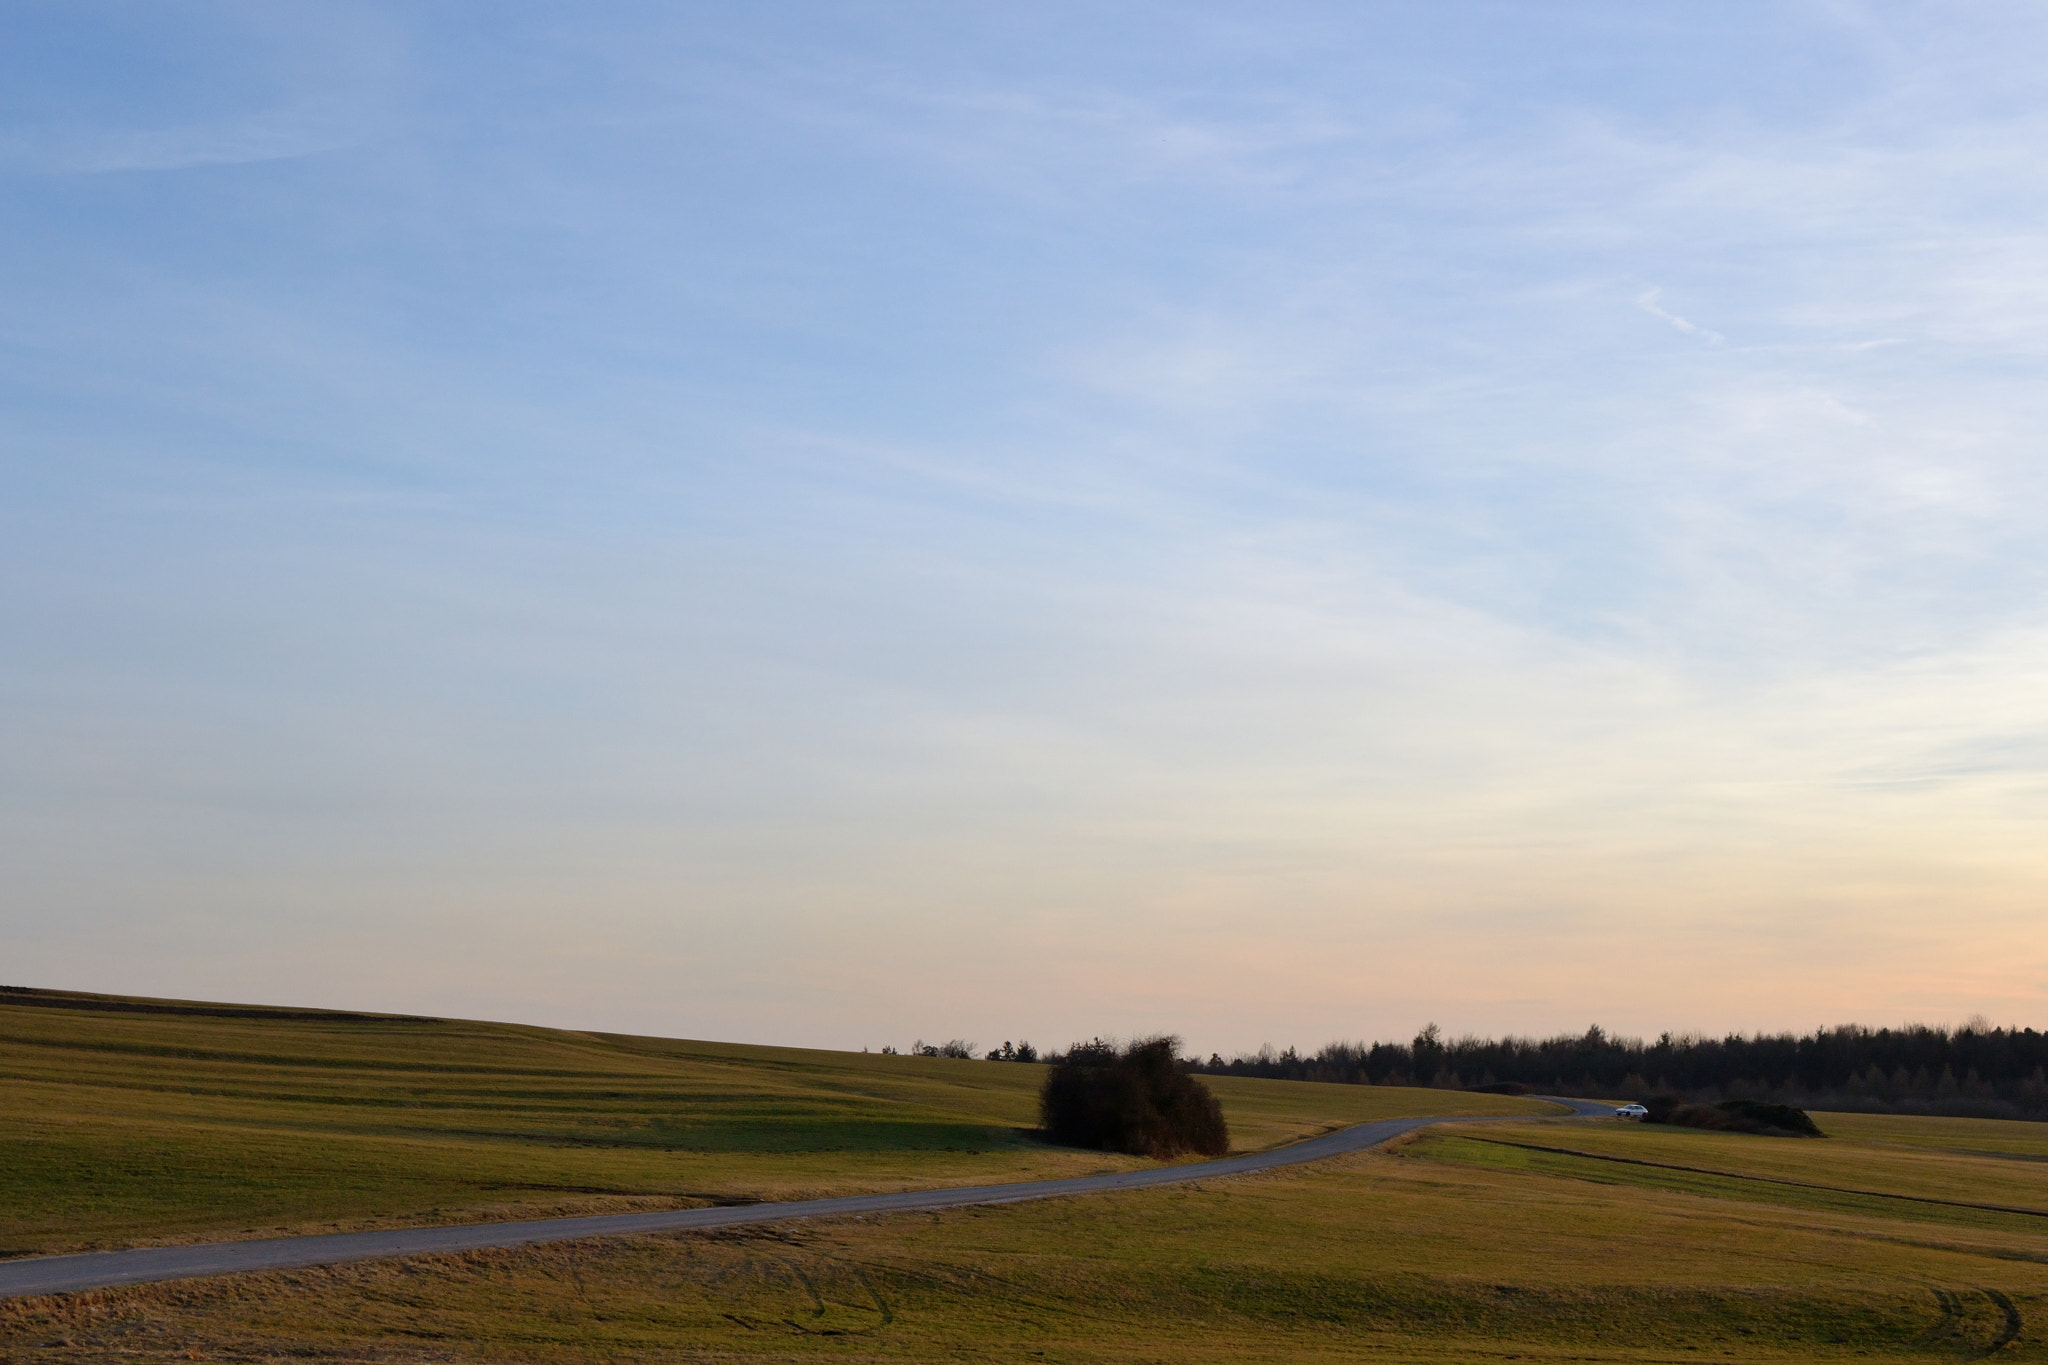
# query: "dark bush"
1732 1116
1685 1113
1780 1118
1137 1100
1502 1088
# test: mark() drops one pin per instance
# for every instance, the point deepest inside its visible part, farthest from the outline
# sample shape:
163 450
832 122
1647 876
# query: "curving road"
104 1269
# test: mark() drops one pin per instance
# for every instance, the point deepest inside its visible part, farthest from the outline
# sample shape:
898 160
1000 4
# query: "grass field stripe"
1764 1179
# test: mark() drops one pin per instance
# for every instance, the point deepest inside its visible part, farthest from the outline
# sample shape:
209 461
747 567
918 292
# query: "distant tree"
956 1048
1428 1049
1978 1069
1013 1052
1138 1099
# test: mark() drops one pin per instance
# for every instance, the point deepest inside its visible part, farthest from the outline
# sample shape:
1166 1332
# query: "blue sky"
834 523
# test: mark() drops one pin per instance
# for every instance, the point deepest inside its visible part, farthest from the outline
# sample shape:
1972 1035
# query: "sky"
846 523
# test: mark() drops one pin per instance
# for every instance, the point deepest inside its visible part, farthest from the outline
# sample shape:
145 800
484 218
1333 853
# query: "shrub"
1733 1116
1780 1118
1138 1100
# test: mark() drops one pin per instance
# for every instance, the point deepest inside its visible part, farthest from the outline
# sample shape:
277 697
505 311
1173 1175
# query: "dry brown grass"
1377 1257
1622 1243
125 1129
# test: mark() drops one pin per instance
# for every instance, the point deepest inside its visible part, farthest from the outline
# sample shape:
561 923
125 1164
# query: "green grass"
1618 1243
124 1127
1383 1257
1912 1168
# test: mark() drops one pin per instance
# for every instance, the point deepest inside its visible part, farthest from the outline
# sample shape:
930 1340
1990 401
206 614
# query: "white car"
1631 1111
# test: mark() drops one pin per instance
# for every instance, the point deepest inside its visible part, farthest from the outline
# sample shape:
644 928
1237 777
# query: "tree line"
1974 1070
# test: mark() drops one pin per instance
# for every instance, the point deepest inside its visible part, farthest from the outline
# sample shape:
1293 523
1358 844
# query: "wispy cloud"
1648 302
834 500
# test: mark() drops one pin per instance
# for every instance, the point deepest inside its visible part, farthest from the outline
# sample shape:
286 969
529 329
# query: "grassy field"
1899 1238
1889 1166
132 1122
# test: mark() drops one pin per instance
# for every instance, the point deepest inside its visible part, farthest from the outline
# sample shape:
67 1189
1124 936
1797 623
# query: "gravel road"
102 1269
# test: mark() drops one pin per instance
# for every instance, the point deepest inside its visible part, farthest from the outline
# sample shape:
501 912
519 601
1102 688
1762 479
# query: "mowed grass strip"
1999 1139
132 1121
1942 1163
1715 1185
1373 1257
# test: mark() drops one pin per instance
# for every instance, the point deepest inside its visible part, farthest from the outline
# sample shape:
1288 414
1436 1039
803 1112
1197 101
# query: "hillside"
132 1120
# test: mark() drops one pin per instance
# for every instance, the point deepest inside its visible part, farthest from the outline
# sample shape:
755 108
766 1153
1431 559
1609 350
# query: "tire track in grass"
1952 1328
2014 1324
1949 1325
